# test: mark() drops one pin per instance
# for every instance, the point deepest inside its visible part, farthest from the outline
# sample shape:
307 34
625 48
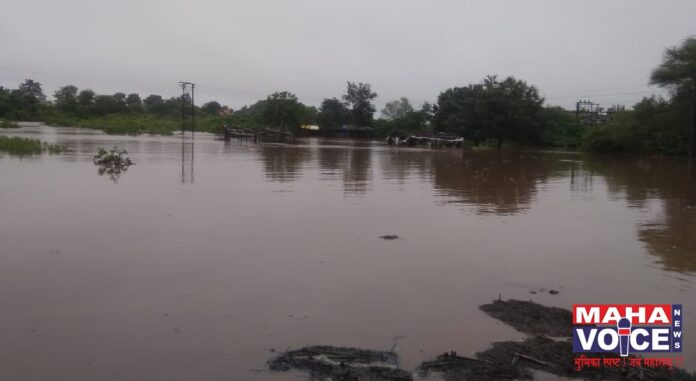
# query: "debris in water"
553 292
467 368
337 363
531 318
112 162
389 237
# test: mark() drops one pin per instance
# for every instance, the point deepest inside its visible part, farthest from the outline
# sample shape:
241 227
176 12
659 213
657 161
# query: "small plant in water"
112 157
112 162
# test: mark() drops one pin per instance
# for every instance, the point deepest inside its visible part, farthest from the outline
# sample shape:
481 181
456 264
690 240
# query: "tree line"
495 111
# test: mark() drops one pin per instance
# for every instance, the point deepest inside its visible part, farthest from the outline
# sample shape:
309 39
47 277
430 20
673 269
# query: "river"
203 258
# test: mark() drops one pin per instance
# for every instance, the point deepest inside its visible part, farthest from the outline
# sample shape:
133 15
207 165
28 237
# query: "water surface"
203 257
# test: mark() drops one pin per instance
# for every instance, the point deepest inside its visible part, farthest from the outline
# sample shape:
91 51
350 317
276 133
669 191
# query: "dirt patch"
456 367
508 360
336 363
531 318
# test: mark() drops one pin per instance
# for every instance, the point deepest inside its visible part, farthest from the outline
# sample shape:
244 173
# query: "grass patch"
27 147
8 124
133 124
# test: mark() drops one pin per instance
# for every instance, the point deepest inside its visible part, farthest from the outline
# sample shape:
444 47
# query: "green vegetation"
133 123
112 157
115 114
656 126
8 124
491 113
26 147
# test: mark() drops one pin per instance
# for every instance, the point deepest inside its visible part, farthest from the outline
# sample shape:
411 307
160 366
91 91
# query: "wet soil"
337 363
531 318
508 360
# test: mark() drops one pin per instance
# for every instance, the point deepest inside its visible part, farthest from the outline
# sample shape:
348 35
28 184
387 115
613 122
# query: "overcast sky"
240 51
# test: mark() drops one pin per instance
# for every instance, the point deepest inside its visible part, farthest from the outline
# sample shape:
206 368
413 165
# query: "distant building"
592 114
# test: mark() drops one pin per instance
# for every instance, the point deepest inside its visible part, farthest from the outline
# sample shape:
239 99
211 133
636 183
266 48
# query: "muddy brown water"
200 259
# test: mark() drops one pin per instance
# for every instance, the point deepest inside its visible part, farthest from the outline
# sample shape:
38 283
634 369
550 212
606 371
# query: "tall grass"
26 147
134 123
8 124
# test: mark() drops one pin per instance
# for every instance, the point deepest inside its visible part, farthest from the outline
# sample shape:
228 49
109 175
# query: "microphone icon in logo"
624 327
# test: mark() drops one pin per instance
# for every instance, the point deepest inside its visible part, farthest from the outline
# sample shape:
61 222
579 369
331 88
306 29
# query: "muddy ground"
531 318
547 349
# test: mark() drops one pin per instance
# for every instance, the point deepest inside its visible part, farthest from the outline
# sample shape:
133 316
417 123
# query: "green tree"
66 99
32 90
119 102
105 104
493 109
85 102
154 104
678 73
283 110
333 114
397 109
360 95
561 128
134 103
212 108
29 96
86 97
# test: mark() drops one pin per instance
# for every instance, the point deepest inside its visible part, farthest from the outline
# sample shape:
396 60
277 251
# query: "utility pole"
184 87
187 150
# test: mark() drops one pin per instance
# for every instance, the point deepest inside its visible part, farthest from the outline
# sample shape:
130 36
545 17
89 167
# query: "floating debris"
467 368
112 157
531 318
389 237
337 363
112 162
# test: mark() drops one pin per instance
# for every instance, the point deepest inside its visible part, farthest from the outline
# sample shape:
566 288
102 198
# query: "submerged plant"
112 157
26 147
112 162
8 124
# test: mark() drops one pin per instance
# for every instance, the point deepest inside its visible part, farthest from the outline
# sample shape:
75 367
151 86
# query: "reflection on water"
284 165
161 277
112 171
495 182
672 238
186 160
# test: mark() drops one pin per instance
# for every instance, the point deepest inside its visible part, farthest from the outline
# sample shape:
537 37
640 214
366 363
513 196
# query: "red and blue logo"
627 328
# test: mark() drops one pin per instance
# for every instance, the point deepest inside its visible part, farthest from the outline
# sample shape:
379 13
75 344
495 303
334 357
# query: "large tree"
359 95
154 104
493 109
32 90
134 103
397 109
678 73
333 114
212 108
29 96
66 98
283 110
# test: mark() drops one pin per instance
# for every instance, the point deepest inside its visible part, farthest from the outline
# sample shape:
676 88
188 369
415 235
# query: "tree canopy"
359 96
493 109
397 109
678 72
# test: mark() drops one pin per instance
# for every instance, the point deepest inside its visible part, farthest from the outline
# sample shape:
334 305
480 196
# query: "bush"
26 147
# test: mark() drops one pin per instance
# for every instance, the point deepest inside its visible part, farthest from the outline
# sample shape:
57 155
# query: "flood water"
202 258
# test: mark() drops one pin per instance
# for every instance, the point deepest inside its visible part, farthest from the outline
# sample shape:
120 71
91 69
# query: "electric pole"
185 86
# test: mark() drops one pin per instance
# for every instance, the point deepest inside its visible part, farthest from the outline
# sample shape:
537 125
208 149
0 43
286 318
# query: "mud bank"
336 363
548 349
